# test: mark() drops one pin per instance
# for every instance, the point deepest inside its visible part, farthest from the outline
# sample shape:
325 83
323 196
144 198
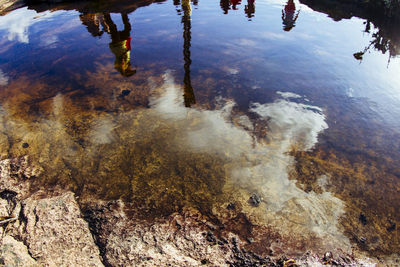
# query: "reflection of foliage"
391 8
384 15
384 39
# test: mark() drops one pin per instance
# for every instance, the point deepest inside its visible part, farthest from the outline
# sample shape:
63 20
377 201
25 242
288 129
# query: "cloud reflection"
18 22
261 166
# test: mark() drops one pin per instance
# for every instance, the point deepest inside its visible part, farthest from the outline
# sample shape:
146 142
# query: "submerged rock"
255 200
15 172
363 219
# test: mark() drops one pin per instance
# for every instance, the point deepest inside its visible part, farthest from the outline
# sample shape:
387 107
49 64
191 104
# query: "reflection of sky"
17 23
315 58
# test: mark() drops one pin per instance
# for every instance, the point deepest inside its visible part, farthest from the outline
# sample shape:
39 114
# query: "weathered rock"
4 208
328 256
254 200
9 5
363 219
15 172
55 233
177 240
15 253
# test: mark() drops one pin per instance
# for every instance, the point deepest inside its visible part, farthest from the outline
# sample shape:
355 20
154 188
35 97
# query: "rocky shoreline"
50 228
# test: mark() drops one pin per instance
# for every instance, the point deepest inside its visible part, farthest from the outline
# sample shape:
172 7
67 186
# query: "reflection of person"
225 5
120 44
120 40
92 22
235 3
250 9
288 16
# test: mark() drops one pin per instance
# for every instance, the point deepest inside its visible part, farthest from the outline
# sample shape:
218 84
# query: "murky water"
201 104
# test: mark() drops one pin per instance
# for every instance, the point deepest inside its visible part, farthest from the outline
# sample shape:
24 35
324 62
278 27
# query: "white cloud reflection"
260 166
18 22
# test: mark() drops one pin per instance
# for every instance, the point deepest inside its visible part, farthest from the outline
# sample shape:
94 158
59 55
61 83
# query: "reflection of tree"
383 15
235 3
225 5
384 39
92 22
188 94
120 43
250 8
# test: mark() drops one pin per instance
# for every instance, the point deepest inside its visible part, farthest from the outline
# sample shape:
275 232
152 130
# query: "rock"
231 206
9 5
250 240
9 204
126 241
15 253
255 200
328 256
4 208
124 93
55 233
290 263
210 237
15 172
363 219
391 227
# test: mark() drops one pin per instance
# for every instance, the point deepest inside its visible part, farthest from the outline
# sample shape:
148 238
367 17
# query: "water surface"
204 103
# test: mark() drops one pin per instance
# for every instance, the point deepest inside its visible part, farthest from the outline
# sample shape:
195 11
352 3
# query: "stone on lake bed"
255 200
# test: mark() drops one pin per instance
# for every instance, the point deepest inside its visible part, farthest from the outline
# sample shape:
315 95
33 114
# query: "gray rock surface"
178 240
55 233
15 253
14 174
8 5
44 228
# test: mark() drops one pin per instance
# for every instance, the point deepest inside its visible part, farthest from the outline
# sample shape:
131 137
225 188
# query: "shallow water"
201 104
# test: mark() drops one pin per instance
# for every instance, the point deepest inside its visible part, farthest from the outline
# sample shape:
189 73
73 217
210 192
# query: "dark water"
201 103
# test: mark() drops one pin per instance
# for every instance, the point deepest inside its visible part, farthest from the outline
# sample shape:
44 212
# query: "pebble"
328 256
392 226
125 93
231 206
254 200
210 237
363 219
249 240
